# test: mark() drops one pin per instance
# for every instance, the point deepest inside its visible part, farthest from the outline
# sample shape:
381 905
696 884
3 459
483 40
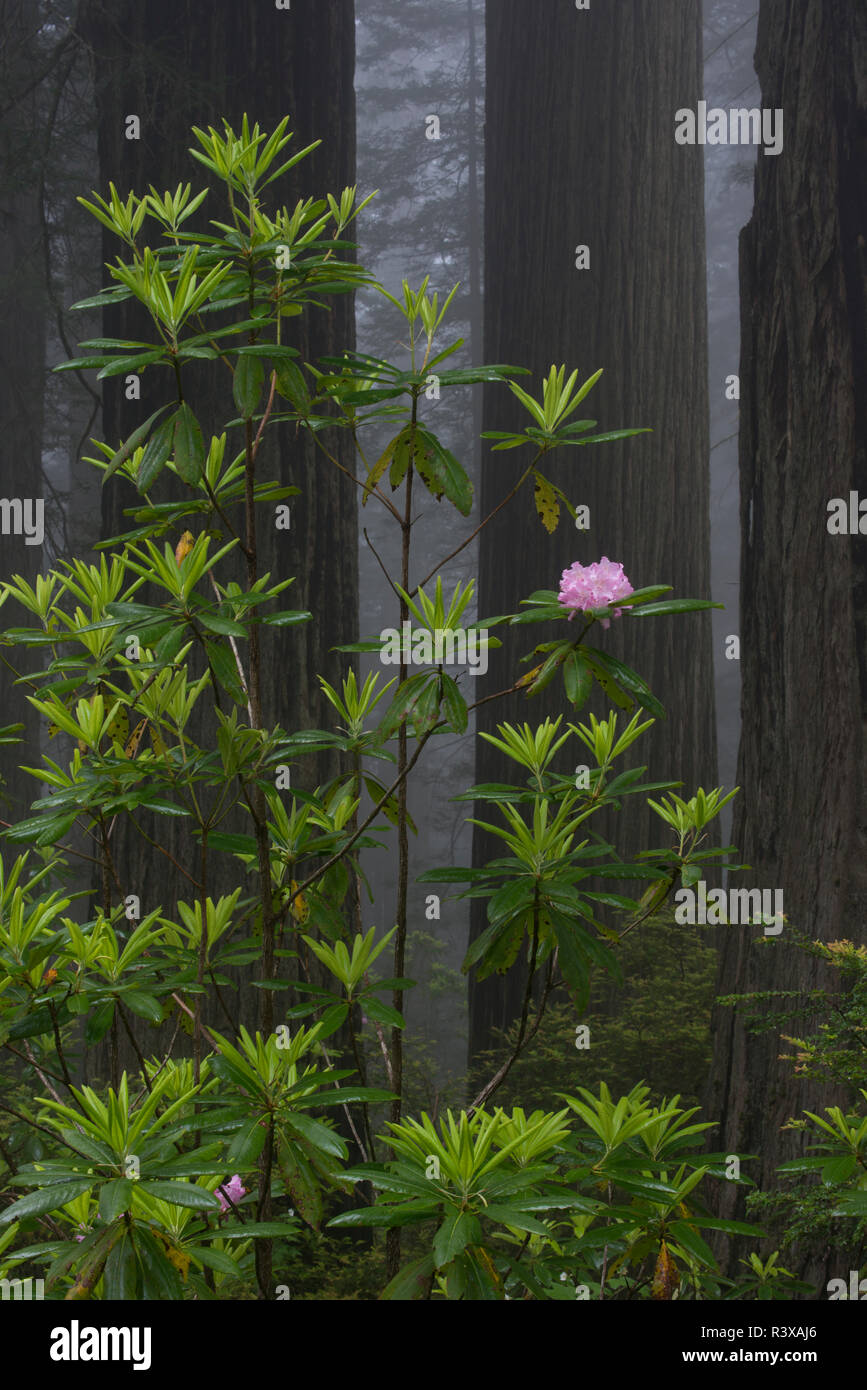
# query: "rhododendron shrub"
120 1190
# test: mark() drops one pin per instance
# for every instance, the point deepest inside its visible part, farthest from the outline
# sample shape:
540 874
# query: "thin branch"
508 497
41 1074
522 1041
233 644
381 565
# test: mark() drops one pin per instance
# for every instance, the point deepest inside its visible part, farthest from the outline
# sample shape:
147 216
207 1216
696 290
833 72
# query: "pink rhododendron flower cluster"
583 587
234 1188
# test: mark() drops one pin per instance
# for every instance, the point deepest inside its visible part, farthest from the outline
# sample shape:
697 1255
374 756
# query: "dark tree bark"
22 365
801 818
175 65
580 150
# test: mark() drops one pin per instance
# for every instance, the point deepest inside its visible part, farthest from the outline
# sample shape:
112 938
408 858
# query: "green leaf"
159 1277
606 437
98 1023
455 705
460 1229
224 668
291 616
247 384
675 605
577 679
404 699
119 366
453 874
514 1216
49 1198
114 1198
181 1194
467 376
232 844
189 447
425 711
692 1241
317 1134
227 627
126 450
153 460
352 1095
487 944
246 1146
33 1024
625 677
378 469
733 1228
216 1259
513 898
119 1274
839 1169
412 1281
852 1204
611 688
442 473
257 1229
144 1005
573 961
389 1214
305 1189
292 386
382 1013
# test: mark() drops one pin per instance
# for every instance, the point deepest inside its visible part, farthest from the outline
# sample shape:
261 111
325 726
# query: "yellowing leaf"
530 676
175 1255
118 729
665 1275
184 546
547 504
300 910
135 739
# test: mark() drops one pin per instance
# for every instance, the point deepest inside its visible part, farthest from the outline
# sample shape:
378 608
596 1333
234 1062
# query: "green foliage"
822 1199
179 1176
614 1200
654 1026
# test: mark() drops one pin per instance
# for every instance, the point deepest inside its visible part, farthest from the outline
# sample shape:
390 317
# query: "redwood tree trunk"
23 307
175 64
580 150
801 818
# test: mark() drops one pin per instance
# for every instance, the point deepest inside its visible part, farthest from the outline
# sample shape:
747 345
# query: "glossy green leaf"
156 453
50 1198
188 445
247 384
128 448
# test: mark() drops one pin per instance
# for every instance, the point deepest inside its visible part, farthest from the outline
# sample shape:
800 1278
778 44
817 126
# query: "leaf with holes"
547 503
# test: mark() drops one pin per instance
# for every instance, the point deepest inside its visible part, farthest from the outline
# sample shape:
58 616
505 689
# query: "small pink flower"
233 1189
583 587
